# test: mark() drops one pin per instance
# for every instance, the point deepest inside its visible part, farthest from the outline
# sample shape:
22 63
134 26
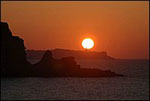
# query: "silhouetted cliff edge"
13 55
59 53
14 62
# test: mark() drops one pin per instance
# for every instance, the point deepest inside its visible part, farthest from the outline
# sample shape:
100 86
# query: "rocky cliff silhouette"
66 67
13 55
59 53
14 62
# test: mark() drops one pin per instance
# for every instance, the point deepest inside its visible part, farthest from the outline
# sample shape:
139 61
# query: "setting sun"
87 43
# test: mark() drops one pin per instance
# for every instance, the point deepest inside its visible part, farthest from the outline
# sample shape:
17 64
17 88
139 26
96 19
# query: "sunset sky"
119 28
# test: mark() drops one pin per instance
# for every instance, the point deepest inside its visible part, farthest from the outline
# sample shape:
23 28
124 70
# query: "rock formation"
48 66
13 55
59 53
14 62
66 67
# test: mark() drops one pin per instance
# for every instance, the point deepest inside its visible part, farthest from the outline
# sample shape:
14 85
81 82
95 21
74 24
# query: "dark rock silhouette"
14 62
48 66
67 67
13 55
59 53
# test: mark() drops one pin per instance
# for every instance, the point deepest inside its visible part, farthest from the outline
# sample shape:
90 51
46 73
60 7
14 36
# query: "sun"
88 43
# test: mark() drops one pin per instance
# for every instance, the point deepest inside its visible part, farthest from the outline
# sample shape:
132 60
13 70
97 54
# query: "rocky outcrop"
13 55
14 62
48 66
66 67
59 53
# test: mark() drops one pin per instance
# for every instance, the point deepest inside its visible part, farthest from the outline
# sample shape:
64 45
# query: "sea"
133 86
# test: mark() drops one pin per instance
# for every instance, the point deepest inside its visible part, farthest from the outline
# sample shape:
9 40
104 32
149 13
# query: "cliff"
59 53
15 64
13 55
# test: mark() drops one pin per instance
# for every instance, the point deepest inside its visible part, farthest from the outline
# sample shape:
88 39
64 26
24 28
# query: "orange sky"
120 28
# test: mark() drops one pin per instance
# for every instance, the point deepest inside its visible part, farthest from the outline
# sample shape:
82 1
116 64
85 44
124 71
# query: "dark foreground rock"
15 64
66 67
13 55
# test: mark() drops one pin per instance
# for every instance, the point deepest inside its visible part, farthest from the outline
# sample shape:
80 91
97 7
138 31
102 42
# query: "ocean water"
133 86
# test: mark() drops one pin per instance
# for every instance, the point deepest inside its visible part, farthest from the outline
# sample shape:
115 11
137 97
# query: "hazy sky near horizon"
119 27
